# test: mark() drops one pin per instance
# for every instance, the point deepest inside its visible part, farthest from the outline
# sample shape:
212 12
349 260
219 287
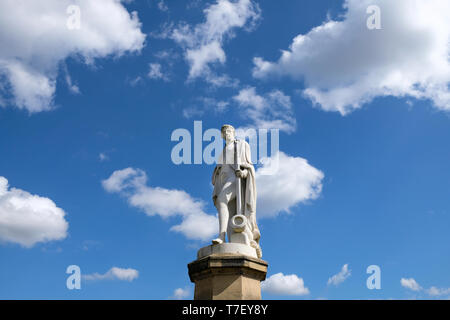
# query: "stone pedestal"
227 276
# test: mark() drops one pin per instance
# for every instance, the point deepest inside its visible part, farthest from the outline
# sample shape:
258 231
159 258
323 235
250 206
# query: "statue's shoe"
217 241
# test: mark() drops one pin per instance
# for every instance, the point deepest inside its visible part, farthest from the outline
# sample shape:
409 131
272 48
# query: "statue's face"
228 134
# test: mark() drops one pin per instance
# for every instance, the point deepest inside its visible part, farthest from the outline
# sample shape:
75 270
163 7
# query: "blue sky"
85 142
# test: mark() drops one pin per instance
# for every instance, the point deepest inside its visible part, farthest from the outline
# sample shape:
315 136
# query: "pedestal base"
226 248
227 277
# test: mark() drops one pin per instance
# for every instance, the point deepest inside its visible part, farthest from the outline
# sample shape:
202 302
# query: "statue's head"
228 132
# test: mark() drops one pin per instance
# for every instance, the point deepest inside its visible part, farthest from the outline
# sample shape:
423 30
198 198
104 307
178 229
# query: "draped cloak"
248 185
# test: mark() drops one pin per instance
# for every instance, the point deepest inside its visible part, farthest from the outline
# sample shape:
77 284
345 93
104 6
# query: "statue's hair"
225 126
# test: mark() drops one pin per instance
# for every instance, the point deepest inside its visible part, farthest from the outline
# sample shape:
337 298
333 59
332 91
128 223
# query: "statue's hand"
242 173
246 165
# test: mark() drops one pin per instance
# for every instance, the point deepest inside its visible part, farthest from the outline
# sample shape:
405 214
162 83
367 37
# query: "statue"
234 193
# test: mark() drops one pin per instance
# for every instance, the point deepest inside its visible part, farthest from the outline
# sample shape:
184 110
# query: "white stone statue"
234 193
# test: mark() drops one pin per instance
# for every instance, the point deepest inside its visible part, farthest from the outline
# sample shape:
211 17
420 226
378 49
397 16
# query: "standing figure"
234 193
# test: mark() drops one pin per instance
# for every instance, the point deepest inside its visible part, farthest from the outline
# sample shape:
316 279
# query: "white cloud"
181 294
103 157
341 276
345 65
201 57
73 88
434 291
217 105
203 43
121 179
410 284
198 225
191 112
168 55
162 6
134 81
204 103
271 111
114 273
295 181
35 40
132 183
280 284
156 73
27 219
164 202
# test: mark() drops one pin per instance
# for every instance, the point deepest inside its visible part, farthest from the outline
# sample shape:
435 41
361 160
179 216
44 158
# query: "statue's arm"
214 177
248 157
246 165
216 173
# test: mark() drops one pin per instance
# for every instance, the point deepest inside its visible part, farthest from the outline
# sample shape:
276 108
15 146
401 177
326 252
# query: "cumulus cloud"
204 103
27 219
280 284
341 276
191 112
163 6
37 36
181 294
114 273
132 183
156 73
411 284
271 111
295 181
123 179
344 64
197 226
434 291
203 43
73 88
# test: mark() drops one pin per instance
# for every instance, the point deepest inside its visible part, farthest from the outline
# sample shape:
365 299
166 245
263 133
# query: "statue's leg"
223 219
224 197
